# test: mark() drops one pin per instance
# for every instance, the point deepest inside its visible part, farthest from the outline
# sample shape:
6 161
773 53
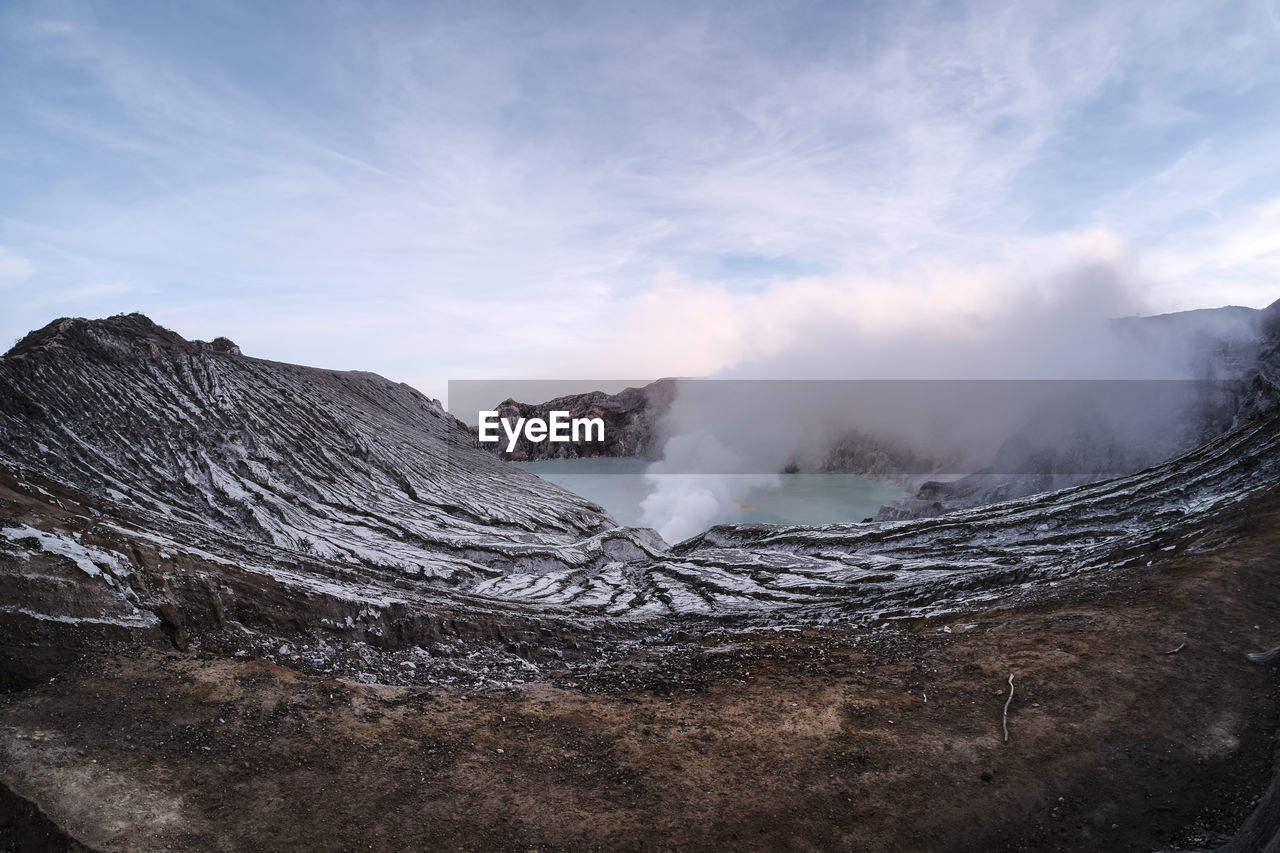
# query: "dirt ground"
1136 724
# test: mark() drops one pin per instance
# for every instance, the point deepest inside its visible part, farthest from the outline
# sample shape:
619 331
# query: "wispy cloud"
435 192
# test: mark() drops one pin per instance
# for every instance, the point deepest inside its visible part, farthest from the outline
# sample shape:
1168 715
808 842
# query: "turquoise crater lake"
619 485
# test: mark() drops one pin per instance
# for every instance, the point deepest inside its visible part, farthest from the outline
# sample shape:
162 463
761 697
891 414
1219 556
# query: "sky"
438 191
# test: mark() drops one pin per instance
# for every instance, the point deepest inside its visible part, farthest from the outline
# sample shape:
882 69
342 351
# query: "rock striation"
159 487
346 465
307 538
313 529
211 489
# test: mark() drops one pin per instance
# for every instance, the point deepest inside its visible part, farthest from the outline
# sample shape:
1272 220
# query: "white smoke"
696 484
723 445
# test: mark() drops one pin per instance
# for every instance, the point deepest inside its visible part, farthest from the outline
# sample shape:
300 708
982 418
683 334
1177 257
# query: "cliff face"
632 420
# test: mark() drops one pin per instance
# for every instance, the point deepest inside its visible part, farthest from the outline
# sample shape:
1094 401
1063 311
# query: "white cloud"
682 326
430 192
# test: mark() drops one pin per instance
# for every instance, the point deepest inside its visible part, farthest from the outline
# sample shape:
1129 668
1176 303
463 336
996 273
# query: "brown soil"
833 739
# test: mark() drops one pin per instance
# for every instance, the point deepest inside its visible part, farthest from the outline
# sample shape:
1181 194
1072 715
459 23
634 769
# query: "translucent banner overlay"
898 431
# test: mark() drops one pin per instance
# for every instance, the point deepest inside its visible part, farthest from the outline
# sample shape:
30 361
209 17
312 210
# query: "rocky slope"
154 484
344 465
258 522
1137 724
158 485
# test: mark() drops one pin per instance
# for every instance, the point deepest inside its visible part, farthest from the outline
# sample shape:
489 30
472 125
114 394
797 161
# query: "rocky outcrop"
632 420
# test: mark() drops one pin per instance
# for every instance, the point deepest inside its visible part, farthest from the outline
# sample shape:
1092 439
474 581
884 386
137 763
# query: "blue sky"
475 190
